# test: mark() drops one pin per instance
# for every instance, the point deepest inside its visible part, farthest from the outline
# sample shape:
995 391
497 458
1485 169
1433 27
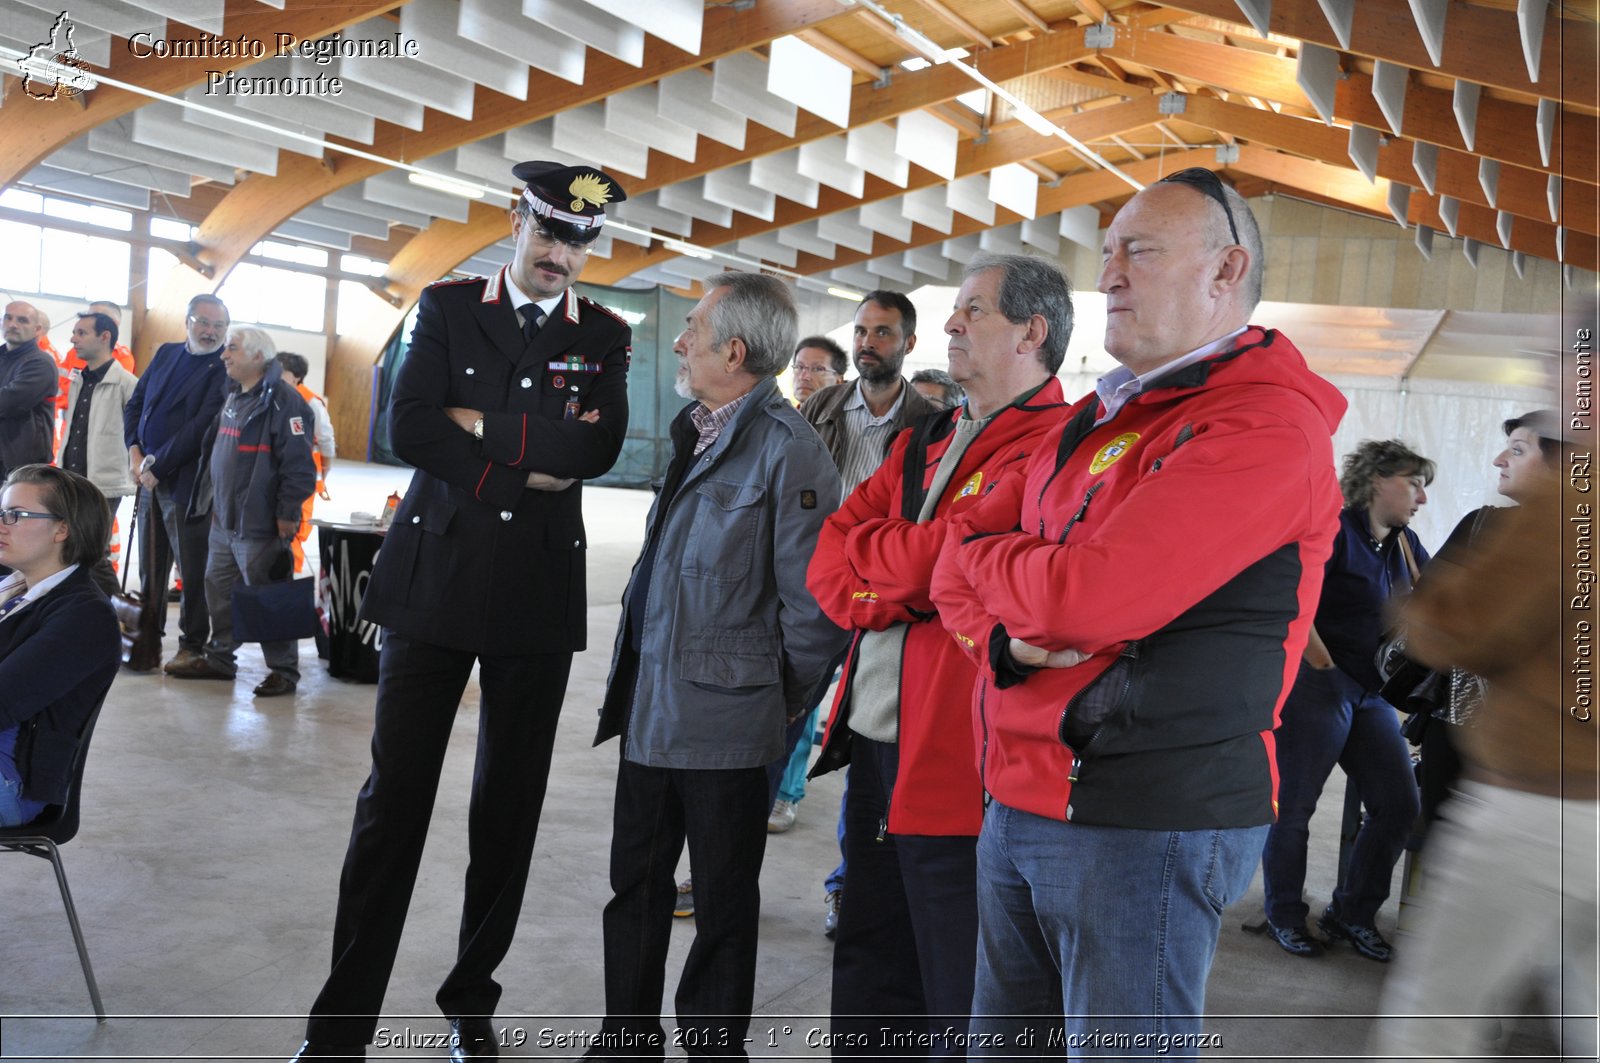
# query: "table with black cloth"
348 552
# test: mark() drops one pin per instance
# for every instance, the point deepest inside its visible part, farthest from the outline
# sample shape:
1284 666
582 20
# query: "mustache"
551 267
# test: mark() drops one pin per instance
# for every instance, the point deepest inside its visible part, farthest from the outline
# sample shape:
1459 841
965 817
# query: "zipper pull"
883 828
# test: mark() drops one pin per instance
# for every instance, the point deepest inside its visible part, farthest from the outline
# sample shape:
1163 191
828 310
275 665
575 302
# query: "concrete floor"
214 827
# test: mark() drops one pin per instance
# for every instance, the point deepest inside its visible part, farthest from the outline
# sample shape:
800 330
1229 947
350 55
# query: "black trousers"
723 815
419 687
906 951
162 515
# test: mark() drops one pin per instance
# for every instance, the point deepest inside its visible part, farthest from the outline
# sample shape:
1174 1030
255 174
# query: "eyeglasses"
811 370
544 236
1206 181
9 517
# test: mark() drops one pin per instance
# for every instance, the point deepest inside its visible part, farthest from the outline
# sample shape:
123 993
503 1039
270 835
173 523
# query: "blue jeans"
15 810
1098 940
1329 719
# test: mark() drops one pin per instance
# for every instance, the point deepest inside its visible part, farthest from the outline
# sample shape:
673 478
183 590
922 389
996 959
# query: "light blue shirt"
1118 386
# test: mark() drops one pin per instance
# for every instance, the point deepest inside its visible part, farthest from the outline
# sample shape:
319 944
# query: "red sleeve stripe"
477 492
524 448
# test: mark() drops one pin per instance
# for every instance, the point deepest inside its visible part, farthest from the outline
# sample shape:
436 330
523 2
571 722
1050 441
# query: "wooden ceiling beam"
1027 15
1479 45
950 18
32 129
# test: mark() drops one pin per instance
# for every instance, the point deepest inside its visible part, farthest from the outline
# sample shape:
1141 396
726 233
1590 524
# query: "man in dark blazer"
163 423
515 387
28 384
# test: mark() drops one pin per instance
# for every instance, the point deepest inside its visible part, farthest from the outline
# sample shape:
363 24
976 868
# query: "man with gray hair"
1136 602
259 475
28 385
903 959
720 646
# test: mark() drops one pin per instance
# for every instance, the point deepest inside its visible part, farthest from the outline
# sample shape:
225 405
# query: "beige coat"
108 456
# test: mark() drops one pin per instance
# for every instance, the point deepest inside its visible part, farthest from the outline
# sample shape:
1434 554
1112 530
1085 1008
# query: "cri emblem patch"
1112 451
972 485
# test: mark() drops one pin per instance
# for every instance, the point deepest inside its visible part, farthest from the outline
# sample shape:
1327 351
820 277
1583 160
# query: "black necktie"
532 318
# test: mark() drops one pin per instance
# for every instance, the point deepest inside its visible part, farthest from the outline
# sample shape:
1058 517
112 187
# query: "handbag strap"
133 529
1411 559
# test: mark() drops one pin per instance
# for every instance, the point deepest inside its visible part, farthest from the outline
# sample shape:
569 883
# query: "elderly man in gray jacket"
720 644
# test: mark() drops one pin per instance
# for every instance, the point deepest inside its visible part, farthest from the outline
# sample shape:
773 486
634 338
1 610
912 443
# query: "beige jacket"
108 457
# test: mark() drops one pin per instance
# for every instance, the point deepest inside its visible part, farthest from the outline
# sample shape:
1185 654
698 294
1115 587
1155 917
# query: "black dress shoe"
1366 939
1295 940
472 1038
317 1051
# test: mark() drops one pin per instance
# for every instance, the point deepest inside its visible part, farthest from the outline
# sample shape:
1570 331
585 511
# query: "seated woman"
59 642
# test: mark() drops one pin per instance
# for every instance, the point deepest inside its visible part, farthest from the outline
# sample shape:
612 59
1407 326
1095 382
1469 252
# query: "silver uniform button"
416 520
527 382
577 543
505 514
470 370
574 387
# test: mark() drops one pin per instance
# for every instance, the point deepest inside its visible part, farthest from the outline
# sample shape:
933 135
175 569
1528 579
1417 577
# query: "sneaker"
1365 939
1295 940
782 817
685 906
830 919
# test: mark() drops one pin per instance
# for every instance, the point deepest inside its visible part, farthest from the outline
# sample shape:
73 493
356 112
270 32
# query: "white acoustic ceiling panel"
24 25
114 139
871 147
263 130
500 27
810 78
685 98
51 179
203 15
112 16
305 114
767 248
1043 234
885 216
803 237
393 188
960 249
432 24
689 270
846 230
1002 240
928 142
636 114
678 22
739 83
581 131
487 161
536 140
685 198
779 174
1081 225
732 187
646 211
329 218
307 233
926 260
1015 187
161 125
352 201
927 206
404 77
970 196
824 162
76 157
600 30
366 100
889 267
622 235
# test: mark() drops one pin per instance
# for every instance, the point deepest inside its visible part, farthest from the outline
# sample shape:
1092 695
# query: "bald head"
21 324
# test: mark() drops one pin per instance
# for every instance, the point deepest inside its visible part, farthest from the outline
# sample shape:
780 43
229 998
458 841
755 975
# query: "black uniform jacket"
474 559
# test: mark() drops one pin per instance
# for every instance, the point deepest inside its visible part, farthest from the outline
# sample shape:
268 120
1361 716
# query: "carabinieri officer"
514 389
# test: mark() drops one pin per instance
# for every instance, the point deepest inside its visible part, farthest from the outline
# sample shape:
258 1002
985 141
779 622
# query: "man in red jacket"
1137 601
903 960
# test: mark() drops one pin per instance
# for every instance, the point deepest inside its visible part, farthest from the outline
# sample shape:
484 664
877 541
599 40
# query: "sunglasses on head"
1208 182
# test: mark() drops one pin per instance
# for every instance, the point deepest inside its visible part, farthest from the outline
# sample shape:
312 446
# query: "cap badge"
589 188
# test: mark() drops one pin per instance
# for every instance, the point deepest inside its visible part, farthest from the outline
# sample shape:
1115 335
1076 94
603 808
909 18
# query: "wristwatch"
477 428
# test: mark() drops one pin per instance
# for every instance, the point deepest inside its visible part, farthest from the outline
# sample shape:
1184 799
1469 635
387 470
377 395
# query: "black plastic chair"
56 826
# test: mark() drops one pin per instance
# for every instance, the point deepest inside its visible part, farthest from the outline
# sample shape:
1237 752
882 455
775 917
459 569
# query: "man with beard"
859 419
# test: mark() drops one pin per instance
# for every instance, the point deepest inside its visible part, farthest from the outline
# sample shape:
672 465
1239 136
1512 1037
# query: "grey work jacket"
732 641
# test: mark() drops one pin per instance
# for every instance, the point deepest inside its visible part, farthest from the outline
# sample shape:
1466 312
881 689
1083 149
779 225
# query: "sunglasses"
1208 182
